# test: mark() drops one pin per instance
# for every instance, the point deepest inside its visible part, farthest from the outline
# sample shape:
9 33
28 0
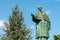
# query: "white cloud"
1 24
48 12
32 27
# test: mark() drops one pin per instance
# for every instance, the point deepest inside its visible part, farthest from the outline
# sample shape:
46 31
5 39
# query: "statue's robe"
42 29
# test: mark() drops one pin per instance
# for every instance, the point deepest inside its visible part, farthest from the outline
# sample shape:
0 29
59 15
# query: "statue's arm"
32 14
33 18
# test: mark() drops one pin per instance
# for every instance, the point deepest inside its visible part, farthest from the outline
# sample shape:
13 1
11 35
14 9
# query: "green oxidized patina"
42 24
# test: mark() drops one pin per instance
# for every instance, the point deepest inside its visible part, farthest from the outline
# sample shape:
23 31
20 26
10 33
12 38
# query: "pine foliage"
56 37
15 28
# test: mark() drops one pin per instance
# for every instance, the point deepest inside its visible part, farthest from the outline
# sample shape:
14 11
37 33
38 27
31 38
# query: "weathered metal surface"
42 24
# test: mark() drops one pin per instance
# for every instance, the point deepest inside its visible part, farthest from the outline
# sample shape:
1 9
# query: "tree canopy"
15 28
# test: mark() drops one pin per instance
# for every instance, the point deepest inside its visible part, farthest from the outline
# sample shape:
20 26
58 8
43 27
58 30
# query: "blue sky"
50 7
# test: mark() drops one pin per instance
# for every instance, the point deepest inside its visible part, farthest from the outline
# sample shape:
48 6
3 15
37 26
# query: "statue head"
40 8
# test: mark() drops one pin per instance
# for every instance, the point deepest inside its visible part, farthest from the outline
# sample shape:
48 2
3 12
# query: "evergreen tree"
56 37
16 29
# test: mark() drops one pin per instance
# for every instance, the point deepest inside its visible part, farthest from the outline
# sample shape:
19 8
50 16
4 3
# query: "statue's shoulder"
46 18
